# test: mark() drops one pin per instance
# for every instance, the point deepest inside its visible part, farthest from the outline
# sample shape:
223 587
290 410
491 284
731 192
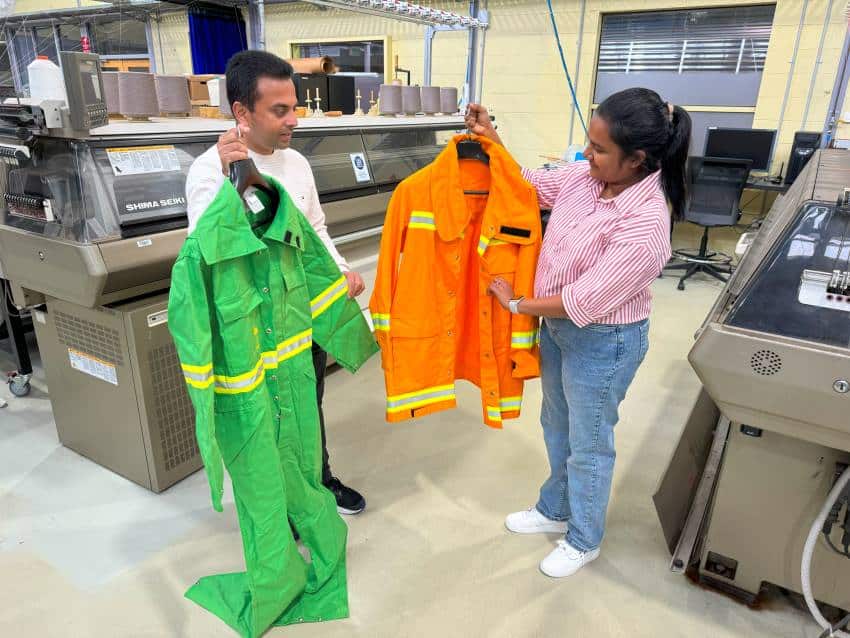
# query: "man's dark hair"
244 71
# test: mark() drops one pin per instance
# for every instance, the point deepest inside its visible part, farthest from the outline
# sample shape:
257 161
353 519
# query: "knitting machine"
769 437
90 225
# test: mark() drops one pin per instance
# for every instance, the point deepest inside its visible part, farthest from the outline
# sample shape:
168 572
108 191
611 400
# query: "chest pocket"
501 257
239 331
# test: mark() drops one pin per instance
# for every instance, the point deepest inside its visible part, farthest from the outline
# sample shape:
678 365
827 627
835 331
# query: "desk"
764 184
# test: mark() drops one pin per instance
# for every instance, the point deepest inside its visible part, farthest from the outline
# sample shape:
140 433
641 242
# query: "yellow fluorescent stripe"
524 334
421 213
419 404
382 328
297 337
329 302
422 226
497 242
201 385
378 315
523 346
196 369
438 388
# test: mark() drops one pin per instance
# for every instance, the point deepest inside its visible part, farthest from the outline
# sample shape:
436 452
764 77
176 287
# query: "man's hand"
502 291
231 148
478 121
355 283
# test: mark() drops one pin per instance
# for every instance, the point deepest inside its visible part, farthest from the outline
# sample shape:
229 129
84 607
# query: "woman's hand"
502 291
478 121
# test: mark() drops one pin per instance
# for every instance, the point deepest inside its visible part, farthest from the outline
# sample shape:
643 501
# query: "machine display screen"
782 298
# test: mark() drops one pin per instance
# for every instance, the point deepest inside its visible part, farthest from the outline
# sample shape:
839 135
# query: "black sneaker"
348 501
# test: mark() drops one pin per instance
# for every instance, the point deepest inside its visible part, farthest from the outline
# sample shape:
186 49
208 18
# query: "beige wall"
524 85
30 6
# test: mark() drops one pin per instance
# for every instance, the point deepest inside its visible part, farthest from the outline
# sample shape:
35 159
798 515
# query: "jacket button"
492 394
276 398
273 377
451 293
265 289
268 331
484 314
457 257
486 355
449 333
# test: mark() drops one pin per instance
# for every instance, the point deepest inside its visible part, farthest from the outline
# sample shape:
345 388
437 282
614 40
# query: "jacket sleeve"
189 323
525 350
392 245
339 326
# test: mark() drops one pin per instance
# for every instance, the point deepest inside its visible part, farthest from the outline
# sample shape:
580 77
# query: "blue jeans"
585 374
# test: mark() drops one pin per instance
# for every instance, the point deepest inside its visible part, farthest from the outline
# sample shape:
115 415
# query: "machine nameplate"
93 366
157 318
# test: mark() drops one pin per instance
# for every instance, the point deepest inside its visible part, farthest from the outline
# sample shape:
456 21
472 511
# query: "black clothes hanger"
244 173
471 149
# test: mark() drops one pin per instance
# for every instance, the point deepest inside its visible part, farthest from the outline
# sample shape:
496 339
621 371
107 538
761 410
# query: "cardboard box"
198 88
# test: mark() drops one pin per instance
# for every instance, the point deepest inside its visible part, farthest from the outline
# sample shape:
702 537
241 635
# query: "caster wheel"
19 386
681 285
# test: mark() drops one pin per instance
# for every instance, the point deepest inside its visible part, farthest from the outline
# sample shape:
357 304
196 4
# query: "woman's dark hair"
244 71
639 120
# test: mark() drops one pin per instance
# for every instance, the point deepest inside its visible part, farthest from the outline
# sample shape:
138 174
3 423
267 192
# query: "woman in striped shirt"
607 239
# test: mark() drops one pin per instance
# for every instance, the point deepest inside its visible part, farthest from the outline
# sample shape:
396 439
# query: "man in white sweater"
263 99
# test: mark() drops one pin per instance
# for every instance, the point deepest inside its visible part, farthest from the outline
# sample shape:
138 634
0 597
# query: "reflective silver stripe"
316 306
510 404
482 245
527 339
198 376
223 383
416 219
295 345
397 403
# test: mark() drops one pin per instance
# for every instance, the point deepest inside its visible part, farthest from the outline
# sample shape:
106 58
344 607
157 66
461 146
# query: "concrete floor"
84 553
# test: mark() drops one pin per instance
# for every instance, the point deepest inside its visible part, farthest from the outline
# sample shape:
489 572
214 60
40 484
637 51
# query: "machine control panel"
826 290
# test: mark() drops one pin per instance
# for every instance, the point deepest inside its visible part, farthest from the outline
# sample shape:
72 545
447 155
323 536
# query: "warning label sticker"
93 367
140 160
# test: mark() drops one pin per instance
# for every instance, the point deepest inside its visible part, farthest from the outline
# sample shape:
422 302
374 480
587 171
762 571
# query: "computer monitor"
741 143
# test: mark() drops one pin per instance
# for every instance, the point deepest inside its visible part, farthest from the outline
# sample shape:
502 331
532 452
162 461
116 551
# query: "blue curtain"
215 35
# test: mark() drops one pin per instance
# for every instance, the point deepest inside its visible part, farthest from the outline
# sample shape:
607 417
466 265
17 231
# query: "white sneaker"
566 560
531 521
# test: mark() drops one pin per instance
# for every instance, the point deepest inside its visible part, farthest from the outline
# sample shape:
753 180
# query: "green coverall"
246 303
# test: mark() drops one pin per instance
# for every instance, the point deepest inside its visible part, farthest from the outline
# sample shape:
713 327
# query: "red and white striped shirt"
600 255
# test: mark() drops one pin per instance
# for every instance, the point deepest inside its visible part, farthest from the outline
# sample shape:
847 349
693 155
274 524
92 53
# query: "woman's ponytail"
674 162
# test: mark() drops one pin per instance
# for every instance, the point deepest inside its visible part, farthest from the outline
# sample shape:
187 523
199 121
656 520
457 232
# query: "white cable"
809 550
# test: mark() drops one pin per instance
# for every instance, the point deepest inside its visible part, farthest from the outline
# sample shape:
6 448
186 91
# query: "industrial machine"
90 225
769 435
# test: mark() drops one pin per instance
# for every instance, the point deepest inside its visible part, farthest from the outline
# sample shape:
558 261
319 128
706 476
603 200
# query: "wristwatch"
513 304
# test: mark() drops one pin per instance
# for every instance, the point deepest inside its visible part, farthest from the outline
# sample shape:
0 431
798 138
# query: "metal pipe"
430 32
578 68
818 63
472 56
261 11
791 70
839 91
149 43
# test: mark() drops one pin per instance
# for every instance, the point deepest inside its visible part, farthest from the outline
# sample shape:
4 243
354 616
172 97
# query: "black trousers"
320 364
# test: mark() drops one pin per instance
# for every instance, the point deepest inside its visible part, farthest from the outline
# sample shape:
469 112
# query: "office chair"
715 186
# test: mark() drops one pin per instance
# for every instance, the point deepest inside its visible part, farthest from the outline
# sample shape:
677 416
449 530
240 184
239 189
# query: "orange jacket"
433 318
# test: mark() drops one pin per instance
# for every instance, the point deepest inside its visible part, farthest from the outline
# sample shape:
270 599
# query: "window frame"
389 69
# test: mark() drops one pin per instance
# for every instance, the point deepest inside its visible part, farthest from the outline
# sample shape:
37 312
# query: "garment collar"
634 195
224 232
510 201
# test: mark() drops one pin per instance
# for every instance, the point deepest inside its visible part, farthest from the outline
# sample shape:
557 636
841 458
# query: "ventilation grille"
766 363
173 413
89 337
